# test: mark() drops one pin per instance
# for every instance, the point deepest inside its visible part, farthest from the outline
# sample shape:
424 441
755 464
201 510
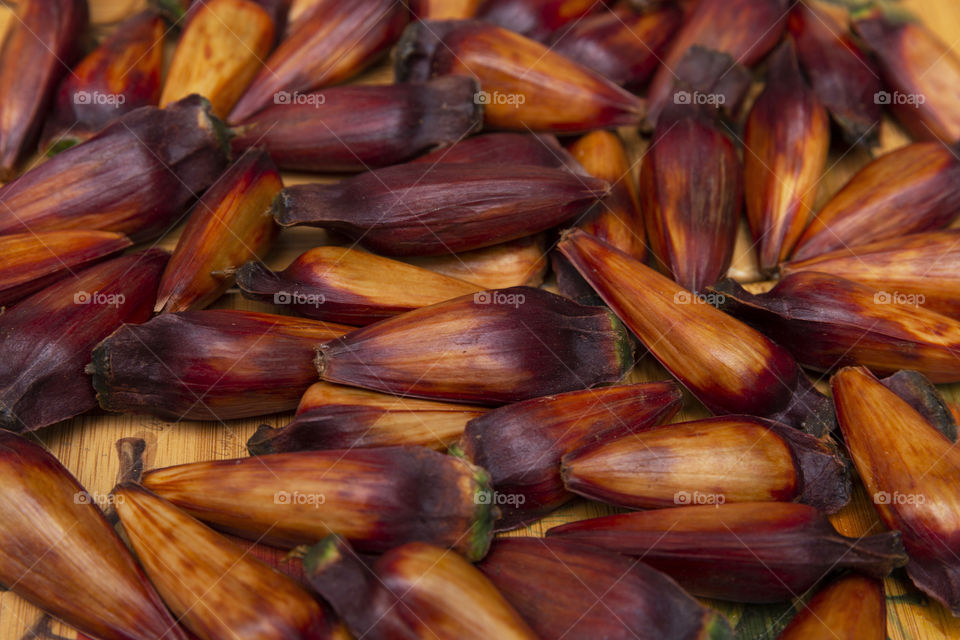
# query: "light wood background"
86 444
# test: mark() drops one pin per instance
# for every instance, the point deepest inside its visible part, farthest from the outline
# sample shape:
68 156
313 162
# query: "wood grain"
86 444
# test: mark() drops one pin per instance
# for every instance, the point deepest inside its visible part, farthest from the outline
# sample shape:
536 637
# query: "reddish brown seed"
44 34
691 181
787 139
219 52
827 322
920 264
230 225
750 459
922 75
521 444
62 556
46 339
525 86
209 365
349 285
569 590
319 131
136 177
729 366
845 79
331 416
491 347
378 498
120 75
206 580
329 43
33 261
424 209
910 190
910 471
744 552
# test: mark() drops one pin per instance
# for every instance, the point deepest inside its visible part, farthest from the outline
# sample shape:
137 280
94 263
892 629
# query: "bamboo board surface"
86 444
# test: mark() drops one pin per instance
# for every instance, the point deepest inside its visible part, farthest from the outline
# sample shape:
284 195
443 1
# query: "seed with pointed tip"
909 190
377 498
617 218
921 72
745 552
828 322
213 586
746 30
47 338
45 35
729 366
621 45
492 347
850 608
332 41
349 285
61 555
424 209
910 470
120 75
413 591
525 85
33 261
570 590
219 52
750 459
787 139
517 263
537 19
521 444
844 78
334 417
230 224
209 365
135 177
922 264
692 186
320 133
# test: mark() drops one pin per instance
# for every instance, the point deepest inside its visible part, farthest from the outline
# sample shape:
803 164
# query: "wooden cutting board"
86 444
